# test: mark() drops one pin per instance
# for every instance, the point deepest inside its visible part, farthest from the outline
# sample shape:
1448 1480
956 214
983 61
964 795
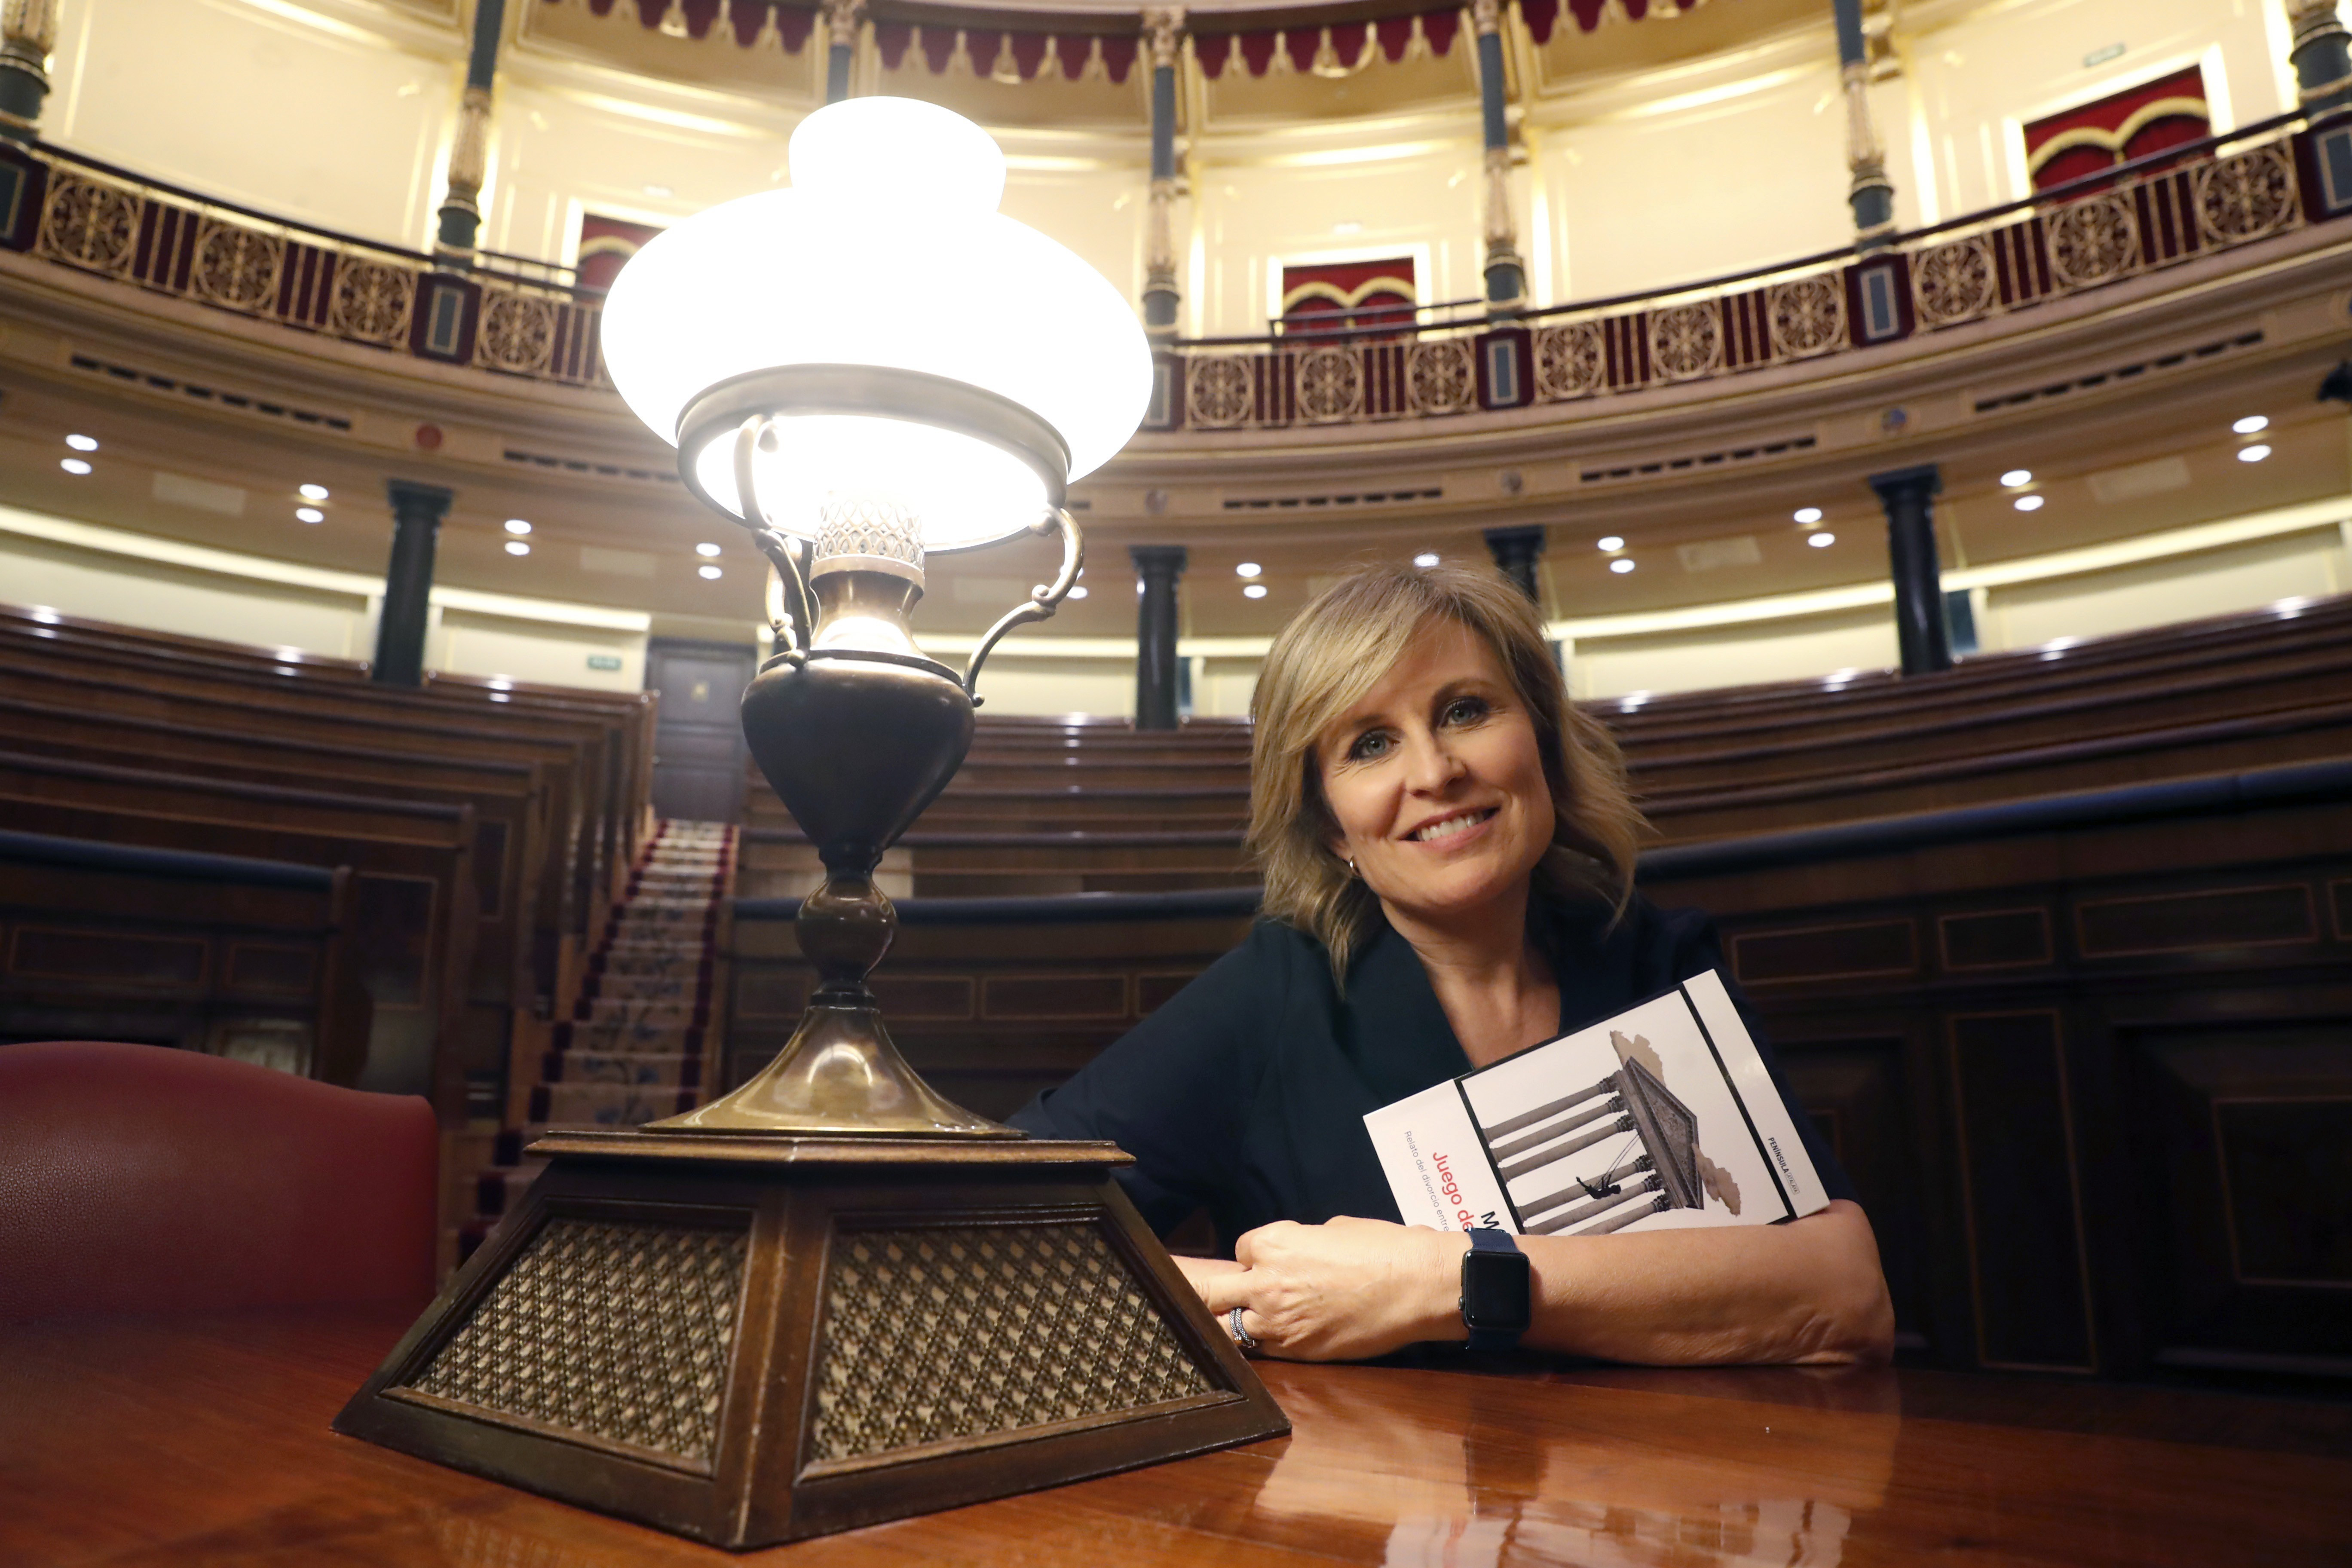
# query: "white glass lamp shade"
887 251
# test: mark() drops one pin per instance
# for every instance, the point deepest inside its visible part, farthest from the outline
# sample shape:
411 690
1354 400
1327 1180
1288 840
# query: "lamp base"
750 1340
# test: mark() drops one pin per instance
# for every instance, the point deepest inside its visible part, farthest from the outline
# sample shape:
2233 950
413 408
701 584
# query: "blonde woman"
1448 855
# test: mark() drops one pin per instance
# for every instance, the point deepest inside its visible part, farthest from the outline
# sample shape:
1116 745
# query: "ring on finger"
1241 1336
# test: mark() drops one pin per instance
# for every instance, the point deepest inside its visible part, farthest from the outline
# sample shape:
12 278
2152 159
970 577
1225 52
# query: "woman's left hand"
1341 1292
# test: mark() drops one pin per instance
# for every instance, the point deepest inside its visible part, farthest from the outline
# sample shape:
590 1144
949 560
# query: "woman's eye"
1465 710
1368 745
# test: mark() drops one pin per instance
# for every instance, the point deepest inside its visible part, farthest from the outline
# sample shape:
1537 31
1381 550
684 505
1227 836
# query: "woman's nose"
1430 762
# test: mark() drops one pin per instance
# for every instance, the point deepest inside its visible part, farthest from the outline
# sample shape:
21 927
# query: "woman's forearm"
1807 1292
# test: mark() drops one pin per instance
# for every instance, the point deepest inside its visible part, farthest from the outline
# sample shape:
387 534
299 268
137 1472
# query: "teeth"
1450 827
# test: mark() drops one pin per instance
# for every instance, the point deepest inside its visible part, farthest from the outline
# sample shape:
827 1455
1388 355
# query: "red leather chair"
142 1179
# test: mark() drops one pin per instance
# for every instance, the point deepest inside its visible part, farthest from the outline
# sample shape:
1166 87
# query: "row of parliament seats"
483 829
1047 806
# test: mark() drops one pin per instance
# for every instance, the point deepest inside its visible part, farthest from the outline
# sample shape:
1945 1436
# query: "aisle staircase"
642 1042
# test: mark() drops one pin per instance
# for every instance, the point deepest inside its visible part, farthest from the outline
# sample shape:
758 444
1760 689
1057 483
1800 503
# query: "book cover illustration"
1662 1116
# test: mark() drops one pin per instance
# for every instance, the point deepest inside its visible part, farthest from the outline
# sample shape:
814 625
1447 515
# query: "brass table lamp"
832 1296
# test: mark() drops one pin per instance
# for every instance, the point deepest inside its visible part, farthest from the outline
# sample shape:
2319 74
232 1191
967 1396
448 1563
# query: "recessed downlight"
517 526
1820 541
1248 569
1426 559
308 514
2254 454
1621 566
312 492
2016 476
1078 591
516 547
82 443
706 548
1254 591
1808 515
709 573
73 464
2028 503
1608 541
2251 425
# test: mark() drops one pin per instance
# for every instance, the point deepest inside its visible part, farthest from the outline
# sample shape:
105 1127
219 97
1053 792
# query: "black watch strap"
1495 1303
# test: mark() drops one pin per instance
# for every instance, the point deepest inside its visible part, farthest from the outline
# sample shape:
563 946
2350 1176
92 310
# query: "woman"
1448 852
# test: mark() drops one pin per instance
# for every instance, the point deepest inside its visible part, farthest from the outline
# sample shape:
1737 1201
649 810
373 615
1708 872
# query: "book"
1662 1116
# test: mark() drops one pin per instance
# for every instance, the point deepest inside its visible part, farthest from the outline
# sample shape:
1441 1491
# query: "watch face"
1495 1293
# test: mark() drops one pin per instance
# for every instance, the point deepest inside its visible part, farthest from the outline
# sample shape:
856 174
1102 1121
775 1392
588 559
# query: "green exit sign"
604 661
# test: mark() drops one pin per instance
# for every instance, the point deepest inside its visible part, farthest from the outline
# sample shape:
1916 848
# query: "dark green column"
2321 56
469 152
31 33
1163 33
1871 195
1517 553
1909 498
416 513
841 46
1159 566
1506 275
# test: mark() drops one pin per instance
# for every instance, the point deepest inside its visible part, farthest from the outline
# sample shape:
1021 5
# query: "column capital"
1153 561
1922 482
1485 17
1517 552
1164 30
840 19
414 500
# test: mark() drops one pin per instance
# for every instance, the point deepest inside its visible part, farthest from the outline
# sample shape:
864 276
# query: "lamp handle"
788 608
1042 600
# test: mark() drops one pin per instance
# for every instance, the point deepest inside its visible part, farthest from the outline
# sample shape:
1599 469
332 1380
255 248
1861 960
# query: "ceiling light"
516 547
1248 569
1621 564
1079 592
706 548
1809 515
1608 541
517 525
1427 558
89 443
73 464
313 492
2029 503
2252 424
710 572
1255 591
1820 541
2016 476
308 514
2254 454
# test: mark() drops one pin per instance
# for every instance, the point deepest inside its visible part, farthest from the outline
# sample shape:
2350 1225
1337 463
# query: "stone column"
1910 497
469 153
840 19
416 513
1871 195
1163 28
1516 551
28 31
2322 56
1506 275
1159 566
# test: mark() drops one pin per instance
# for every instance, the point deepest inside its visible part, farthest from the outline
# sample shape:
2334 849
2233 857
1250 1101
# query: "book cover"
1661 1117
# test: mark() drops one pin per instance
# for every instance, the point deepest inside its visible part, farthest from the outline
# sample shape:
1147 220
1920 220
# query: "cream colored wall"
1014 684
330 114
106 574
2180 588
1735 654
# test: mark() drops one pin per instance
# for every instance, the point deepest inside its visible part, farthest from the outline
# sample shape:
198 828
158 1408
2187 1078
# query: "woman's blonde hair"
1340 648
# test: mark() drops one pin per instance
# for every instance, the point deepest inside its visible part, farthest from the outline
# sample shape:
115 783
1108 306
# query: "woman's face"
1436 781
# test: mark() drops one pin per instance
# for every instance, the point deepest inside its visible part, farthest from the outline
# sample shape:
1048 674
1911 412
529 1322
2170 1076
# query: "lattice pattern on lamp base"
753 1338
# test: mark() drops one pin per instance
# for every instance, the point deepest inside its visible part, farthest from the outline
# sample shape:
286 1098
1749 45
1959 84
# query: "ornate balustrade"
487 315
2214 195
495 314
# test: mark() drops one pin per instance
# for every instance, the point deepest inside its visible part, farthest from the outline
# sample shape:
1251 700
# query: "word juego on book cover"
1662 1116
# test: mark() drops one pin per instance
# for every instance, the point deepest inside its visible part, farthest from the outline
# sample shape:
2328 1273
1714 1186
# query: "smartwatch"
1495 1305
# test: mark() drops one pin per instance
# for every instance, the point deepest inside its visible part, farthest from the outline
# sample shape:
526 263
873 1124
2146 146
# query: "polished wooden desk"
204 1441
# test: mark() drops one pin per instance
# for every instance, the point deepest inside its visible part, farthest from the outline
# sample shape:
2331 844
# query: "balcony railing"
517 318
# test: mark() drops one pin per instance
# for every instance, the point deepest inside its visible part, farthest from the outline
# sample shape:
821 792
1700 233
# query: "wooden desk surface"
204 1441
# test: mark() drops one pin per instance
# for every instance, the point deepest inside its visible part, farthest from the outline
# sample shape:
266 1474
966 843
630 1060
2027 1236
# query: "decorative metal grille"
619 1331
1808 316
1441 377
1571 361
1955 282
517 333
2094 240
961 1331
870 525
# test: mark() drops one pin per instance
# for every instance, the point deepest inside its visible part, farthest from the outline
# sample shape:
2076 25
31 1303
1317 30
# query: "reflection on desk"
170 1443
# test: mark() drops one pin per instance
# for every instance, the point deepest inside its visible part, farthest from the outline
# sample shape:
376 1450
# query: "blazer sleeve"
1697 947
1171 1091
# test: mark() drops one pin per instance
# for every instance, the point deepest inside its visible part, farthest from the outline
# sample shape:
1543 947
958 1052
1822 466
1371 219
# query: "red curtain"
1119 57
1340 296
605 244
1213 50
2168 111
1073 53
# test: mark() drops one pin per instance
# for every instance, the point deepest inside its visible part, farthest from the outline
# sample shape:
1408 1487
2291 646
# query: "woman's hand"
1341 1292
